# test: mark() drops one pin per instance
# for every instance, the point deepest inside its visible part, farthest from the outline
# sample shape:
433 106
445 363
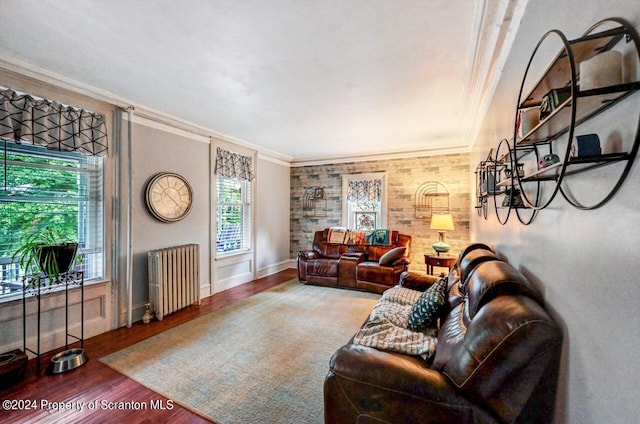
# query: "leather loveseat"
368 267
496 359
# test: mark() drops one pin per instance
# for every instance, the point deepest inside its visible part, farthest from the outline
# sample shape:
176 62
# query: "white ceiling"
307 79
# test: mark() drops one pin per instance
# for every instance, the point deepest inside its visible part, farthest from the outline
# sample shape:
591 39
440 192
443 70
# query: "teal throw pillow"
429 306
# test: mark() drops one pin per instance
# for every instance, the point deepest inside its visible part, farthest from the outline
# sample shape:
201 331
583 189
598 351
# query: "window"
40 187
233 214
364 201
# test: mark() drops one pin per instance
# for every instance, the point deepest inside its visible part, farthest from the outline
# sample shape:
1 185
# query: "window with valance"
52 174
234 173
365 206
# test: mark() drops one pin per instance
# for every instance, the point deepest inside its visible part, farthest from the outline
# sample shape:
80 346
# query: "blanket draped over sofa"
496 359
386 328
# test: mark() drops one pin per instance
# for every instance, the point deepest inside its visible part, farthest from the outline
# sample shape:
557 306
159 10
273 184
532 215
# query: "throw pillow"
429 306
391 256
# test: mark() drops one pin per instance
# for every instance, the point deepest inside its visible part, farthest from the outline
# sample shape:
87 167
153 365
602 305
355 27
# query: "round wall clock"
169 197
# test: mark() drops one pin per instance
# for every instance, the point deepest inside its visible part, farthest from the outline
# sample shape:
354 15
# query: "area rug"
260 360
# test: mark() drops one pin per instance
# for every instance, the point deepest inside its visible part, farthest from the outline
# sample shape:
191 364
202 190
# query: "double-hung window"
234 176
364 201
41 187
233 214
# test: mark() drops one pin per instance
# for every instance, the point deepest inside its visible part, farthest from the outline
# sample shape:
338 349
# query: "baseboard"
275 268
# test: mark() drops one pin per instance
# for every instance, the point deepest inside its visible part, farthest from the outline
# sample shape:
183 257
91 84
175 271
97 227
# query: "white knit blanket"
386 328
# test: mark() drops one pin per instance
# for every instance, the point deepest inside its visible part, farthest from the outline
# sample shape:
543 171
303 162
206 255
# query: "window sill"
17 297
229 255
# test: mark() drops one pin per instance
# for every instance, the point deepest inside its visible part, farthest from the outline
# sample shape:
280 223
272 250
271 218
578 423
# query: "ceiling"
304 79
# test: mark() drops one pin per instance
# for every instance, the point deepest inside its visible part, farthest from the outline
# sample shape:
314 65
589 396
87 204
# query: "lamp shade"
442 222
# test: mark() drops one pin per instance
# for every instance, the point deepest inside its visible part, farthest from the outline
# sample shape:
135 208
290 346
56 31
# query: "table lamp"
441 223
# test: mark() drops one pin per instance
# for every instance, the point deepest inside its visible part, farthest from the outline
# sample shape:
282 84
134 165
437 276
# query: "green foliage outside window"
36 192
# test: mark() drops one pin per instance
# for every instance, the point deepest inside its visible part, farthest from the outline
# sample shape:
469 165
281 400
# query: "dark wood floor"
95 382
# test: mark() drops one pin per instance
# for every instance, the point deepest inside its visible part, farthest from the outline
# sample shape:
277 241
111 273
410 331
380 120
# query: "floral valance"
364 190
51 124
233 165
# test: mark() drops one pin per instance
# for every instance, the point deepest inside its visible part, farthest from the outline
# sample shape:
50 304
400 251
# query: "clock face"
169 197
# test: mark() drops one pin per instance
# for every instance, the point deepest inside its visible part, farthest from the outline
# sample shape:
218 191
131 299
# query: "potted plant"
46 251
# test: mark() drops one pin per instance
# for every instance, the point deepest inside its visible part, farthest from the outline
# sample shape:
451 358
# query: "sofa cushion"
326 267
391 256
429 305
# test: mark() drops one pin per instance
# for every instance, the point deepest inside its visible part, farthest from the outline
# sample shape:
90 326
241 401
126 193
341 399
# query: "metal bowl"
68 360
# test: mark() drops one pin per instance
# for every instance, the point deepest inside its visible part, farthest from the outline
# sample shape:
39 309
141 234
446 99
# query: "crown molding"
496 26
436 151
165 128
166 120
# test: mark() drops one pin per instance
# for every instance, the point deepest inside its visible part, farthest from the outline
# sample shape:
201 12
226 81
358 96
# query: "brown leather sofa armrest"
375 382
416 281
308 254
357 256
402 261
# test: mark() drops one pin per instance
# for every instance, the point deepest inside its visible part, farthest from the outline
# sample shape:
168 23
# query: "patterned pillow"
429 306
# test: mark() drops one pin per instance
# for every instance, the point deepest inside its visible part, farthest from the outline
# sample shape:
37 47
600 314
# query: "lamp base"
441 247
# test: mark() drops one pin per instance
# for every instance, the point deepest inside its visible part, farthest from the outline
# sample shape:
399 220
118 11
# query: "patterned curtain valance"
233 165
46 123
364 190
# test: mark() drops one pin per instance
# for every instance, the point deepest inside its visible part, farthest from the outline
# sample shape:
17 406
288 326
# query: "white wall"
158 149
584 260
272 216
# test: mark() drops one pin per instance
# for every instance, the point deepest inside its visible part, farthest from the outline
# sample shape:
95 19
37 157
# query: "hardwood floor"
47 398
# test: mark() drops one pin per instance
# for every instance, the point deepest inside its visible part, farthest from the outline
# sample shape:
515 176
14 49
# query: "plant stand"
70 358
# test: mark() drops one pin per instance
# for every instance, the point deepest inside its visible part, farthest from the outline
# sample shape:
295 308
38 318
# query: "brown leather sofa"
496 360
352 266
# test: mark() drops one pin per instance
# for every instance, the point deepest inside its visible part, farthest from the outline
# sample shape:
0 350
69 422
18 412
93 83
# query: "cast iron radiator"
174 278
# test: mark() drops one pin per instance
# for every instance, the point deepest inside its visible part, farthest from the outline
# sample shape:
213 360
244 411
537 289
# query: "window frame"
92 240
348 215
246 204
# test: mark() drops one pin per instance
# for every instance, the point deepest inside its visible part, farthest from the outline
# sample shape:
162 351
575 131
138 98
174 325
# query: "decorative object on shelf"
552 100
441 223
585 145
169 197
513 199
528 119
431 198
146 318
548 160
508 172
314 202
602 70
489 185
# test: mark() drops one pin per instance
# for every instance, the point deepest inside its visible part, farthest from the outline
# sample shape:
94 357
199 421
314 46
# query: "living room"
574 255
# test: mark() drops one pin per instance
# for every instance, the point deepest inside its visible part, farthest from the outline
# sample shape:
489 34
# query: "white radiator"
174 278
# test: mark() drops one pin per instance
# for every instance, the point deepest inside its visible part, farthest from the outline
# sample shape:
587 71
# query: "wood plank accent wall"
403 178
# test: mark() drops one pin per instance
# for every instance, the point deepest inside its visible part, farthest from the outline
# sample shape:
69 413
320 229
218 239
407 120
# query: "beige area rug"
260 360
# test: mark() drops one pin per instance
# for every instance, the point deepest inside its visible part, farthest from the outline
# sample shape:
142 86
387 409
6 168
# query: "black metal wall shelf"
554 132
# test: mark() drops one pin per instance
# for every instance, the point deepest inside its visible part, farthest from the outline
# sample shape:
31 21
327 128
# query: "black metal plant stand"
39 285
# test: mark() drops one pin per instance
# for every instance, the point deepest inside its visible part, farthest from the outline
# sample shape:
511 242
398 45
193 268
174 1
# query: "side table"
439 261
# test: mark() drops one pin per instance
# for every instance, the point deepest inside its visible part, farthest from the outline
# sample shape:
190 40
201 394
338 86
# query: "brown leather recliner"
352 266
496 360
